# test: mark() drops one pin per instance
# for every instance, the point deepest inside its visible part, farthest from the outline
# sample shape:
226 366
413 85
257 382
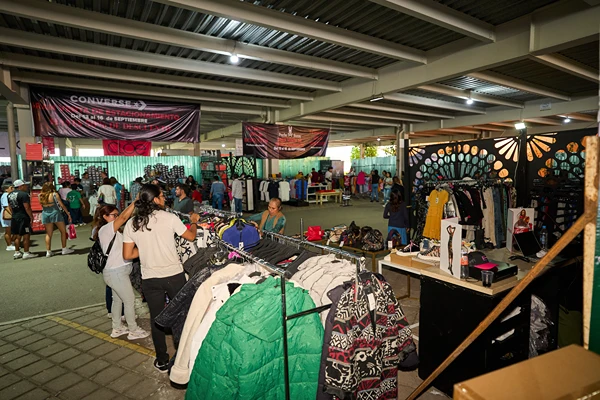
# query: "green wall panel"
291 167
126 169
379 163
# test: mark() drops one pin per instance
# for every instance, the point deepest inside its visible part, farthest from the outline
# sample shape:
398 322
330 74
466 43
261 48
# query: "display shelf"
311 195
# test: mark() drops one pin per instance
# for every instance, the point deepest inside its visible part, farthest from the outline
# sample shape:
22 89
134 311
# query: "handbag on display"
314 233
372 240
72 232
336 233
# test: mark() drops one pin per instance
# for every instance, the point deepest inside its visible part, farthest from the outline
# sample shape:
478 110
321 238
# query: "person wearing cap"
20 206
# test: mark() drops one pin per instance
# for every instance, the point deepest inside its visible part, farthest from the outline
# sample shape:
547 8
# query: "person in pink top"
360 180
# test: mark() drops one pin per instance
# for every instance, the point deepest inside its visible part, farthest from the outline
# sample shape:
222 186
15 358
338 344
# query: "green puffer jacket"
242 354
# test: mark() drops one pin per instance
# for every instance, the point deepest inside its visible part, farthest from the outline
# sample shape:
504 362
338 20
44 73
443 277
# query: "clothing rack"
220 213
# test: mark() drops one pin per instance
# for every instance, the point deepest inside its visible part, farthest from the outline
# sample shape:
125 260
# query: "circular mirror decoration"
561 155
574 160
461 157
483 153
441 152
475 160
423 168
543 172
491 158
428 162
441 161
565 166
466 148
449 150
474 150
582 154
453 157
498 165
578 172
435 166
572 147
419 174
551 163
468 158
434 157
503 173
447 159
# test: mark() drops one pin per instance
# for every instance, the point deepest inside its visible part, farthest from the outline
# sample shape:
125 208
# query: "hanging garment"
370 338
488 216
262 190
293 188
202 297
185 248
242 354
273 189
433 224
284 191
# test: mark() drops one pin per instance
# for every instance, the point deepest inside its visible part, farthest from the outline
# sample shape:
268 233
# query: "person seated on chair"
271 220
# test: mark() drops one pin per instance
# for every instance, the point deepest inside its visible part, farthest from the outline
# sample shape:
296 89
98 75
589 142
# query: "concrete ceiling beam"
152 91
423 101
569 66
519 84
9 89
401 109
12 37
544 121
128 75
441 15
375 114
299 25
470 94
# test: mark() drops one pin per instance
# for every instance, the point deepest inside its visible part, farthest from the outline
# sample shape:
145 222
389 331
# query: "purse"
6 214
72 232
314 233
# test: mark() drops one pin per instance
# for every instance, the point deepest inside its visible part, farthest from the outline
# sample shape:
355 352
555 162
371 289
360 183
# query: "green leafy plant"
370 151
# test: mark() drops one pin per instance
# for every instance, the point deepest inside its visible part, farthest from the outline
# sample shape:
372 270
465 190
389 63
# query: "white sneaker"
119 332
139 333
17 255
29 255
10 248
49 254
109 315
66 251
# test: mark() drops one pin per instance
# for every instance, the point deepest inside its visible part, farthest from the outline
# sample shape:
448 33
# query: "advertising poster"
450 247
283 142
61 113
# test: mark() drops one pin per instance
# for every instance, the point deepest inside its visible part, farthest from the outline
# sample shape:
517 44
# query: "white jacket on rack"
284 191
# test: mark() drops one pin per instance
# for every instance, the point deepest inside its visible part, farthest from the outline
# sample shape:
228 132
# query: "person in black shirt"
398 188
396 213
19 203
375 185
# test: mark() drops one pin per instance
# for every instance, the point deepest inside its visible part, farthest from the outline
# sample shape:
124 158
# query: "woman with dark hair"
396 213
375 185
190 181
397 187
107 194
150 235
118 187
107 223
52 214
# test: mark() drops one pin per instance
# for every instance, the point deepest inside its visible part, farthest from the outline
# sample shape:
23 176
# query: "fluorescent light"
470 101
379 139
223 145
520 125
234 59
567 120
377 98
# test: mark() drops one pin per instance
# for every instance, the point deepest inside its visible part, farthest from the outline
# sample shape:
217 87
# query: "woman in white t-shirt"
107 193
107 222
150 235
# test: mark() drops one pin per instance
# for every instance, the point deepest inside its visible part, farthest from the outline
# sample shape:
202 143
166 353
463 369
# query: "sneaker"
119 332
49 254
66 251
29 255
109 315
162 367
10 248
17 255
410 250
139 333
433 254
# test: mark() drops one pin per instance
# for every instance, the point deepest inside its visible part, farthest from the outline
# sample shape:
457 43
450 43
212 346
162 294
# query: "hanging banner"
48 143
283 142
59 113
126 148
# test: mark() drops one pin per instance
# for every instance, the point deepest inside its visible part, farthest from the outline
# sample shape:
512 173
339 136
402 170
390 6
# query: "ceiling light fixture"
234 59
520 125
379 139
470 101
567 120
223 145
377 98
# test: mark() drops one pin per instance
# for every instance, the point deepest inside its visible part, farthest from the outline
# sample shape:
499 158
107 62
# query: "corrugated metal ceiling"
540 74
587 54
468 83
496 12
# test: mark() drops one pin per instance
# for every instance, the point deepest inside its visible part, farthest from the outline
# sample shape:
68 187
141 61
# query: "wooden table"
336 194
450 309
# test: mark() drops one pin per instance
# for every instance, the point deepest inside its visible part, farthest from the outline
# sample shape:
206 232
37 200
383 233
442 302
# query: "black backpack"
96 257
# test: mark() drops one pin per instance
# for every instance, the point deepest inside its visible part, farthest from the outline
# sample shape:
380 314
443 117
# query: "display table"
336 194
450 309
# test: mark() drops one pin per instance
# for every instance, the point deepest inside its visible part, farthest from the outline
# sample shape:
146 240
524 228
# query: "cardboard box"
401 260
568 373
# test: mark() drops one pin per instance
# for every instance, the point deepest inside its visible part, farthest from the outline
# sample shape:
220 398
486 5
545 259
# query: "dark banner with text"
59 113
282 142
126 148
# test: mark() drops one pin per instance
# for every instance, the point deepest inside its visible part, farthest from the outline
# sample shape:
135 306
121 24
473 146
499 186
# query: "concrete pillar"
62 146
12 141
362 151
196 150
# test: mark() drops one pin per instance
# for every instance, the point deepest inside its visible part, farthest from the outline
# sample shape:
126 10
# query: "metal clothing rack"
220 213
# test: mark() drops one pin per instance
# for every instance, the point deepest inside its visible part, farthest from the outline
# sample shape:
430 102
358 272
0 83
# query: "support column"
362 151
62 147
12 142
197 149
521 177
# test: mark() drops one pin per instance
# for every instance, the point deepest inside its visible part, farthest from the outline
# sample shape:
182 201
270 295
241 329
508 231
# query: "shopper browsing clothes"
374 185
149 235
388 182
217 192
237 192
6 216
397 215
182 202
116 273
74 200
106 193
19 203
271 220
53 212
329 178
63 192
